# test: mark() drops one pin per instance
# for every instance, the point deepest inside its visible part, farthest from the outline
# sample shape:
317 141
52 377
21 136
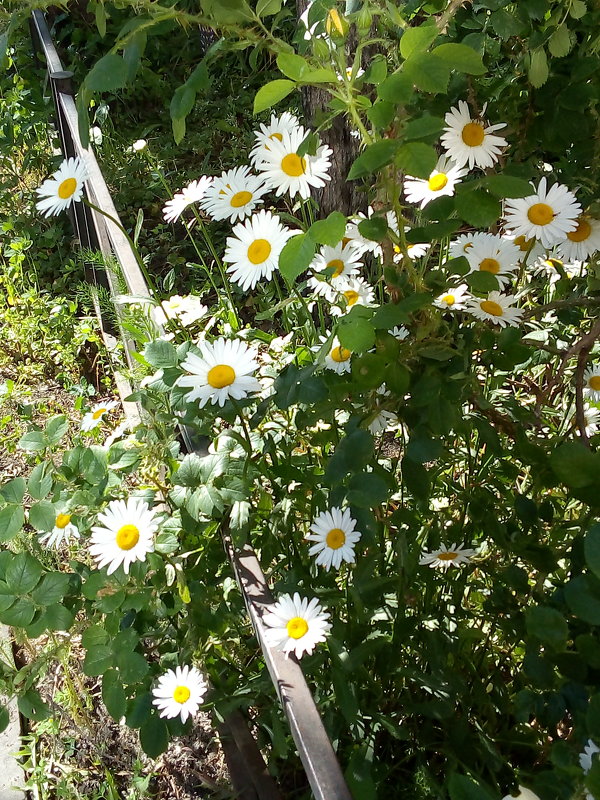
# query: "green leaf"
271 93
355 333
538 69
507 186
320 76
42 516
296 256
422 127
479 208
577 9
100 16
461 787
381 114
178 127
107 74
293 66
417 159
376 72
57 618
33 442
51 589
506 24
23 573
351 455
11 522
369 370
591 548
154 736
328 231
583 599
560 42
139 710
415 40
113 694
428 73
397 88
482 282
461 57
548 625
132 665
266 8
4 719
373 158
374 228
160 354
40 481
32 706
367 490
94 635
56 428
14 491
575 465
97 660
392 314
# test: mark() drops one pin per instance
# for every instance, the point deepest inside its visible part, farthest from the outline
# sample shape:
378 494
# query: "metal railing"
96 232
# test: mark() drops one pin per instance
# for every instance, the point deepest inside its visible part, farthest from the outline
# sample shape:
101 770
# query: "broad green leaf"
592 549
367 490
200 79
113 694
51 589
356 333
560 42
57 618
132 665
328 231
427 72
392 314
272 93
56 428
20 613
266 8
548 625
507 186
397 88
100 16
4 719
417 159
478 208
32 706
415 40
160 354
139 710
320 76
583 599
381 114
40 481
461 787
374 228
296 256
506 24
376 72
575 465
94 635
97 660
577 9
482 282
423 127
538 69
373 158
154 736
293 66
107 74
460 57
351 455
42 516
178 128
14 491
23 573
33 441
369 370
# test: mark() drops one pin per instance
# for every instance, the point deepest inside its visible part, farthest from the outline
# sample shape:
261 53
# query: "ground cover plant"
401 409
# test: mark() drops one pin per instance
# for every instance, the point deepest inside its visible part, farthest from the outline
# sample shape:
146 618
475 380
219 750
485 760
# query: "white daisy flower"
495 255
470 141
453 299
553 268
526 246
348 73
384 419
585 758
93 418
192 193
591 416
344 261
187 310
296 624
399 332
335 537
548 214
285 123
253 250
62 531
354 292
63 188
414 251
285 171
222 370
338 358
461 246
496 308
354 238
447 556
582 242
234 195
179 692
125 534
440 183
591 383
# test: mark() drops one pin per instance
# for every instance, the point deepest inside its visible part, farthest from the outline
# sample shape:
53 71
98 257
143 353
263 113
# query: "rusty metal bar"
314 747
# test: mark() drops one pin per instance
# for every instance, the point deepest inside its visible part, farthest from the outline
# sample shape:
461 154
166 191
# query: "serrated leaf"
417 159
578 9
296 256
14 491
113 694
355 333
56 428
272 93
417 39
375 157
397 88
461 57
374 228
107 74
160 354
11 522
154 736
23 573
560 42
479 208
482 282
32 442
538 69
42 516
39 482
548 625
51 589
507 186
97 660
423 127
293 66
428 73
328 231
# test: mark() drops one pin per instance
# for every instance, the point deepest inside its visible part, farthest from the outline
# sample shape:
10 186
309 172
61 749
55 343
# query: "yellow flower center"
473 134
495 309
340 354
293 165
437 182
540 214
240 199
297 627
62 520
594 383
181 694
553 262
449 299
220 376
259 251
522 243
581 232
351 297
67 188
490 265
277 136
98 413
447 556
335 538
337 265
127 537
